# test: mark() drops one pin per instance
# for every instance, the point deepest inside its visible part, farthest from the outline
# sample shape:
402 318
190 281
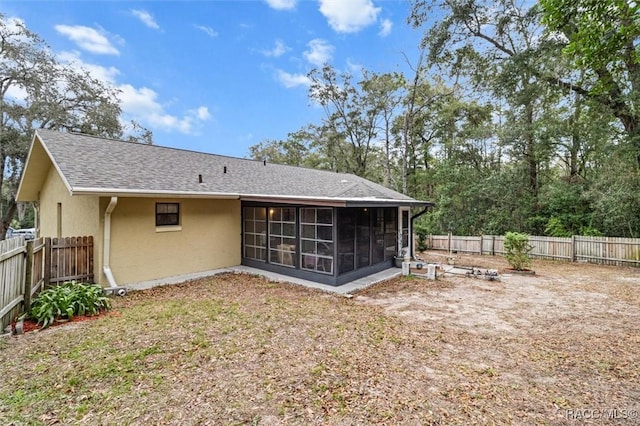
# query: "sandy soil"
569 333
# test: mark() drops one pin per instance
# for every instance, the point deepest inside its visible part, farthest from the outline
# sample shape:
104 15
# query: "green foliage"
615 197
517 249
66 300
422 232
556 228
601 39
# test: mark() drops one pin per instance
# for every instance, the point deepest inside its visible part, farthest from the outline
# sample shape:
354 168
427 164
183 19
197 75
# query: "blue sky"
219 76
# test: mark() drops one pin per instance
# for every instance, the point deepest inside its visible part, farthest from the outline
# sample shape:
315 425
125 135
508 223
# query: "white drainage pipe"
106 249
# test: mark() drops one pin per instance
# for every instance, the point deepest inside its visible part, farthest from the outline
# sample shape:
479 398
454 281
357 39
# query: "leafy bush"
517 249
422 232
66 300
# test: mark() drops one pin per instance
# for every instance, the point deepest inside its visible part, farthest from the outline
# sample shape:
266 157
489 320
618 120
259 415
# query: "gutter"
274 198
413 218
106 249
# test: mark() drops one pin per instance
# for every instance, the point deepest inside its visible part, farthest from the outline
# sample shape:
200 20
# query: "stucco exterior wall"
208 238
79 215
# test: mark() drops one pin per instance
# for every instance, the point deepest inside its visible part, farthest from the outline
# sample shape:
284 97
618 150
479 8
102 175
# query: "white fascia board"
119 192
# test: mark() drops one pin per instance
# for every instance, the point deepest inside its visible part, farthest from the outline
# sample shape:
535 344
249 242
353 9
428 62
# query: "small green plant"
66 300
517 249
422 232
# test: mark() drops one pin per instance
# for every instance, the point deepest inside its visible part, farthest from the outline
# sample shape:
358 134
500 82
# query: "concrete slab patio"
344 289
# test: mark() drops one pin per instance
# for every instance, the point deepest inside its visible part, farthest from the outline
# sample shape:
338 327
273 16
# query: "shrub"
66 300
517 249
421 232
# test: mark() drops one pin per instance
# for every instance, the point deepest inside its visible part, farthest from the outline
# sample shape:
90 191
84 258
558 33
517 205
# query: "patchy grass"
237 349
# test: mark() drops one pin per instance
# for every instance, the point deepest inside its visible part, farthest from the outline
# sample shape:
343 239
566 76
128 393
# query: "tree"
353 114
383 91
36 91
493 48
291 151
602 39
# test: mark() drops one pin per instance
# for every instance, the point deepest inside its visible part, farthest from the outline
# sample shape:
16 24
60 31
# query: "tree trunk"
530 152
7 217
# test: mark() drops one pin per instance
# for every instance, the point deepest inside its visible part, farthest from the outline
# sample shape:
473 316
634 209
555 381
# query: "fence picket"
47 261
602 250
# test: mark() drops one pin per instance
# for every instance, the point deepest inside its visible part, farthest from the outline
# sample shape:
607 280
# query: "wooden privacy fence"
603 250
71 259
13 261
26 267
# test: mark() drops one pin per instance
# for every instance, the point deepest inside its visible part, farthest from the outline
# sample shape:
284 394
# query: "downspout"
414 217
106 248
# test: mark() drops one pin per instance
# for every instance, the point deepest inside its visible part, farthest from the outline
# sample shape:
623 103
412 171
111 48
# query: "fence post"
46 273
493 245
480 244
573 248
449 243
28 276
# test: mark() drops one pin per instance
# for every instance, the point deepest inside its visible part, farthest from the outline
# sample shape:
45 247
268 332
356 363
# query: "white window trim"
169 228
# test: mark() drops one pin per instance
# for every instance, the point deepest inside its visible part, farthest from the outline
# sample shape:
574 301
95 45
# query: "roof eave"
284 199
381 203
120 192
334 201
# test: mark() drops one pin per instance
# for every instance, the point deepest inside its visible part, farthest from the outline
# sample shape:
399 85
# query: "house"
158 212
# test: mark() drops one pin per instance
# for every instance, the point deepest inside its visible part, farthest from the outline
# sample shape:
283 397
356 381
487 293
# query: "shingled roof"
92 165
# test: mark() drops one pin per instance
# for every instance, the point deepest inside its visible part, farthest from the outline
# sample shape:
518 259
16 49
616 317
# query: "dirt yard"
556 348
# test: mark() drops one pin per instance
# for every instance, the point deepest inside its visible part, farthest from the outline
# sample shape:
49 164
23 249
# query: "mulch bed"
32 325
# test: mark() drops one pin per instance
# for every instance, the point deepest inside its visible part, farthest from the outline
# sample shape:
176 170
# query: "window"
282 236
316 239
167 214
390 233
59 221
255 233
405 228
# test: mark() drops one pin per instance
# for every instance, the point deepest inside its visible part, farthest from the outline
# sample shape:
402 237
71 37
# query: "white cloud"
282 4
88 39
146 18
106 74
207 30
385 27
142 105
349 16
292 80
354 67
202 113
319 53
16 93
278 50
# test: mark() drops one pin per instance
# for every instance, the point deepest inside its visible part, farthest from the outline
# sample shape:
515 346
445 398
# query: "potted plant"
399 258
